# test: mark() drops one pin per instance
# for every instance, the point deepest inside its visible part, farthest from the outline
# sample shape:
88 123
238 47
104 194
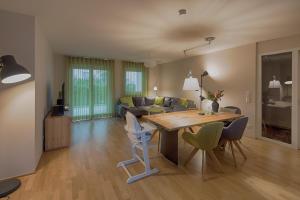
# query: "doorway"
276 104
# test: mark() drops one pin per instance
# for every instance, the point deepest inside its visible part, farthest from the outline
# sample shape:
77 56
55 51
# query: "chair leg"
215 159
192 154
146 158
232 151
158 145
202 167
154 133
240 149
191 129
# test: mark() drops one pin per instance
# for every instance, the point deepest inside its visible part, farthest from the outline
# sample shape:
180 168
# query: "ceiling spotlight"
209 39
182 12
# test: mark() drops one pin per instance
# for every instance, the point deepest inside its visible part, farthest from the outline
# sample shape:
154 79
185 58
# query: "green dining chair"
206 139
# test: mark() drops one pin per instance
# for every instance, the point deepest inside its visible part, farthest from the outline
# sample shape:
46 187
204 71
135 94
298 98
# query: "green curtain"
135 77
90 88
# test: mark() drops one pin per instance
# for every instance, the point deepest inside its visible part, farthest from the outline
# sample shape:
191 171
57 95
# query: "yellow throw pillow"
184 102
159 101
127 101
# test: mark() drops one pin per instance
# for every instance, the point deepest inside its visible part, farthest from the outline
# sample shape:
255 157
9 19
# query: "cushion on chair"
207 137
127 101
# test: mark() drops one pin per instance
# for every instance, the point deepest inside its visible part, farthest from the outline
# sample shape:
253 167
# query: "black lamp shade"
11 71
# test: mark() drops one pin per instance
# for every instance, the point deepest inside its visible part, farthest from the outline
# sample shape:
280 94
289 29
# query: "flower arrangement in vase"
215 97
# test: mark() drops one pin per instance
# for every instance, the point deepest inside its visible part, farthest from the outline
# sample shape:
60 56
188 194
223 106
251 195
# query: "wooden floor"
88 171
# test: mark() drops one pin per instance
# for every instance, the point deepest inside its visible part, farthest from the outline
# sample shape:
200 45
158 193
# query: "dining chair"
206 139
230 109
139 136
234 109
233 133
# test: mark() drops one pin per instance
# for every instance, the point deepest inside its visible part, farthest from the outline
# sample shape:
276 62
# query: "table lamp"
11 72
155 90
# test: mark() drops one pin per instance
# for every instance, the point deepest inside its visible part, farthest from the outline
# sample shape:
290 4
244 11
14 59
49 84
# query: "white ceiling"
143 30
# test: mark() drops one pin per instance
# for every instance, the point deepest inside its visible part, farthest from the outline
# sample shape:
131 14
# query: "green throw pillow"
159 101
127 100
184 102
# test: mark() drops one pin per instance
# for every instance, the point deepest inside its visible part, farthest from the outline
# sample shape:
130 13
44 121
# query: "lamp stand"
9 186
201 96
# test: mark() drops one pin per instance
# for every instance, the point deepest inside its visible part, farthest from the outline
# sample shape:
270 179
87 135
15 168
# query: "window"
81 94
135 79
134 82
91 88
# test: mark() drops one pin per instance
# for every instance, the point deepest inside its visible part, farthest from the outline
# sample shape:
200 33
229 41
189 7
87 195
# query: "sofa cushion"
167 101
175 101
191 104
138 101
179 107
138 112
149 101
167 109
127 101
159 101
184 102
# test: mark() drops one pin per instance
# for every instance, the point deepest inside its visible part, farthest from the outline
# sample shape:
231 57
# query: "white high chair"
139 136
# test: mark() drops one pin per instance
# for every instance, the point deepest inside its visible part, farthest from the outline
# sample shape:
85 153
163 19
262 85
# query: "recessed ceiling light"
182 12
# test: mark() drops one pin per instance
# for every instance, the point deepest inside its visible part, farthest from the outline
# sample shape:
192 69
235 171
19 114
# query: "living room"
175 70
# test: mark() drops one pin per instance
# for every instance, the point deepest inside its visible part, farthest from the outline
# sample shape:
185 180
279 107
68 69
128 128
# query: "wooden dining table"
169 125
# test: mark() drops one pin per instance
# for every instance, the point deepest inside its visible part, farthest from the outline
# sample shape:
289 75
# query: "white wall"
17 102
59 75
232 70
23 106
44 83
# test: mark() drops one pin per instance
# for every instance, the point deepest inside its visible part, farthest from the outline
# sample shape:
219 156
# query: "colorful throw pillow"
184 102
149 101
159 101
127 101
138 101
167 101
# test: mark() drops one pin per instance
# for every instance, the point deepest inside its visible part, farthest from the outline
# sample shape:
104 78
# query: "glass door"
277 97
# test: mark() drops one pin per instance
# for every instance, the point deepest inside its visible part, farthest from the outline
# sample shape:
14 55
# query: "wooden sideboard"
57 131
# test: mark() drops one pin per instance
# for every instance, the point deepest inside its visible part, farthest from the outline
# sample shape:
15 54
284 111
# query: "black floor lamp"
11 72
192 84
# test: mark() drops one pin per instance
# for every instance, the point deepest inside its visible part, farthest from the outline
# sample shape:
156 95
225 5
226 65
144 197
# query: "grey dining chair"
232 109
233 133
236 110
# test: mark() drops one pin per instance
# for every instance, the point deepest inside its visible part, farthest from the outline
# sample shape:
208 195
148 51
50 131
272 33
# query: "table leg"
169 145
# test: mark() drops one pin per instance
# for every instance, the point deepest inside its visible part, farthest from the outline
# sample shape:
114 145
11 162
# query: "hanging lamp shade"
274 83
11 71
191 83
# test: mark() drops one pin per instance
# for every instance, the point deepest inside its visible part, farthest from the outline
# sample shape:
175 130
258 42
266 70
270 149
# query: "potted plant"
215 97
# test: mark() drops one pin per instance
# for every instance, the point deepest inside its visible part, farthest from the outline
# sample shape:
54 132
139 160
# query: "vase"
215 106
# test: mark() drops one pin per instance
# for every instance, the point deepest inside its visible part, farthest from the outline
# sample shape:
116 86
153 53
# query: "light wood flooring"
87 170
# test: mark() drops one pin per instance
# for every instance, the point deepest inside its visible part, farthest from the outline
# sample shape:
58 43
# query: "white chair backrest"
133 127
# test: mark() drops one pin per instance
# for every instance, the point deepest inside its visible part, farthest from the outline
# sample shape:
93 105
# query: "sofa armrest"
121 110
